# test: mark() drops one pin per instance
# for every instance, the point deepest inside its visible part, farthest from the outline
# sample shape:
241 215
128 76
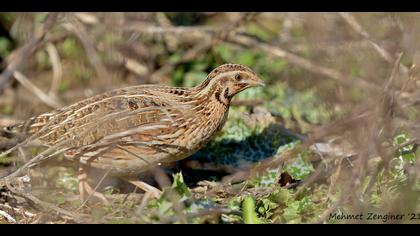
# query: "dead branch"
48 207
8 217
304 63
17 58
75 26
26 83
57 69
351 20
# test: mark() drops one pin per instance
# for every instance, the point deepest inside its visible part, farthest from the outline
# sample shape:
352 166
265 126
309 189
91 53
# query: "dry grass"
362 66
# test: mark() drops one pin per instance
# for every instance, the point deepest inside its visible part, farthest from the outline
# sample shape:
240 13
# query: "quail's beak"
257 83
260 83
252 82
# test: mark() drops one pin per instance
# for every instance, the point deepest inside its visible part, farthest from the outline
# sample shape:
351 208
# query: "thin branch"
8 217
57 69
87 18
18 57
394 73
135 67
48 207
75 26
147 29
26 83
21 211
304 63
407 143
351 20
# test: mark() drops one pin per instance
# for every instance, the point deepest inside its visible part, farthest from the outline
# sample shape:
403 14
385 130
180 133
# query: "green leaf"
63 86
199 66
70 49
5 160
234 204
40 18
401 138
405 153
291 213
278 65
8 17
178 76
225 52
281 196
194 78
265 206
7 109
179 185
248 210
298 31
268 179
174 58
305 205
5 47
300 168
246 58
257 30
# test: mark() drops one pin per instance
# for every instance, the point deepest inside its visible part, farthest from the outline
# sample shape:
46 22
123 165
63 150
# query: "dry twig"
18 57
26 83
351 20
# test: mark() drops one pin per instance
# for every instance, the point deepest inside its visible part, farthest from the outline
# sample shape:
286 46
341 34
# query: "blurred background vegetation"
334 131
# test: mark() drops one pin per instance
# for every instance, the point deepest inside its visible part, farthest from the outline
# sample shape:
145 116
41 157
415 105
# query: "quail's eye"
238 77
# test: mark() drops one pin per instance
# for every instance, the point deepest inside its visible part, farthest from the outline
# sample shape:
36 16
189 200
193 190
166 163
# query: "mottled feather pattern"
128 130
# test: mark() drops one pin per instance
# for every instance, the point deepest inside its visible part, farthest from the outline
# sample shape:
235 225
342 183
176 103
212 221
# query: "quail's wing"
144 116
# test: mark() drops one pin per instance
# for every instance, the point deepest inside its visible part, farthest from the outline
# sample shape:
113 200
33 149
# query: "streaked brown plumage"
128 130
